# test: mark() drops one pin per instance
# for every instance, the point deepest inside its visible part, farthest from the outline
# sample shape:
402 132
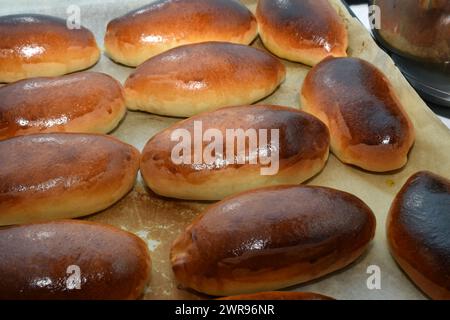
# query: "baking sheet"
158 220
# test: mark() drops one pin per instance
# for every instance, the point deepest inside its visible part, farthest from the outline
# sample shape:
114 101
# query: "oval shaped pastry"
202 77
271 238
418 232
305 31
279 295
87 102
369 127
62 175
216 154
72 260
165 24
34 45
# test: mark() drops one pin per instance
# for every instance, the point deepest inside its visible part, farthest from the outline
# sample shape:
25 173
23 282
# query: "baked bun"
34 45
279 295
305 31
62 175
81 102
369 127
203 172
72 260
271 238
202 77
418 232
165 24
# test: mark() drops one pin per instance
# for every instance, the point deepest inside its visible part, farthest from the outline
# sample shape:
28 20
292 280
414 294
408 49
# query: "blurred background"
416 33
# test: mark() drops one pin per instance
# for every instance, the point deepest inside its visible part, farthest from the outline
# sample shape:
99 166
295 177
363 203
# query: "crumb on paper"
390 182
151 243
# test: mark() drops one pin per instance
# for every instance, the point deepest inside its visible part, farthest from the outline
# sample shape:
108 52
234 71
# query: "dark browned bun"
302 152
50 260
279 295
35 45
417 28
306 31
368 125
418 232
194 78
62 175
271 238
164 24
87 102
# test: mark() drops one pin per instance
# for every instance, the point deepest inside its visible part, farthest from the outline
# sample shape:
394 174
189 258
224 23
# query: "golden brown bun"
271 238
62 175
418 232
35 261
305 31
303 152
369 127
82 102
202 77
279 295
166 24
417 28
33 45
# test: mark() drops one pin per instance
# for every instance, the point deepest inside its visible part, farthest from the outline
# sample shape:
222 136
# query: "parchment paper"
158 221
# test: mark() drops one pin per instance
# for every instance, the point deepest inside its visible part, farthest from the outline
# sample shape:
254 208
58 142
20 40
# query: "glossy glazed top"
301 137
270 229
419 226
35 38
57 164
210 66
44 104
302 23
359 100
35 259
166 21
